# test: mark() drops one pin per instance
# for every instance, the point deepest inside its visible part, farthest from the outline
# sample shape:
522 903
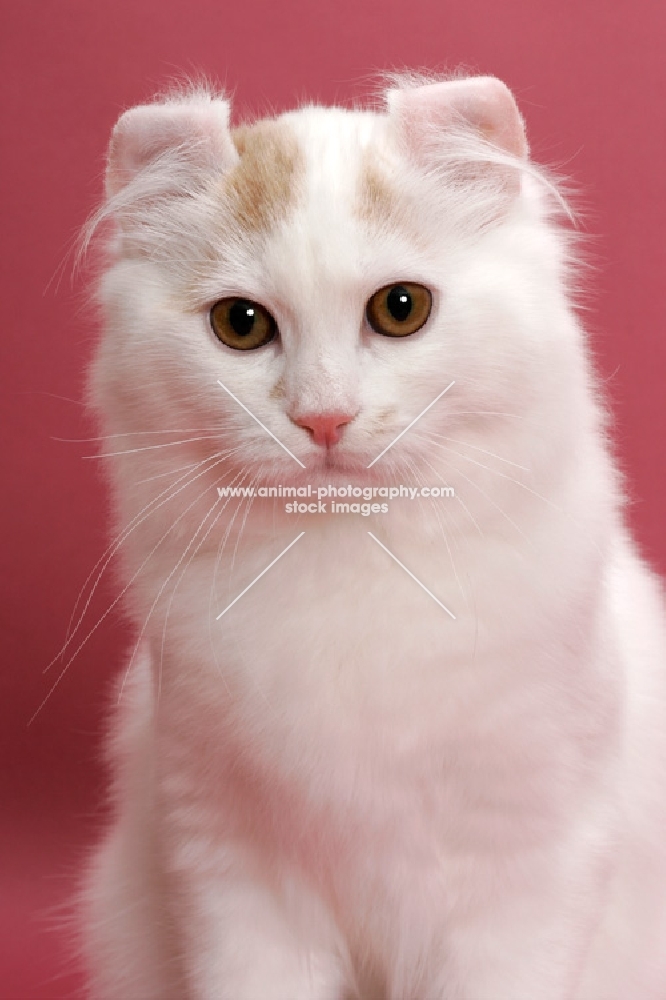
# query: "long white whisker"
145 624
419 481
110 608
487 413
183 572
502 475
111 549
456 497
172 595
171 472
211 595
154 447
494 504
475 447
119 434
242 524
135 650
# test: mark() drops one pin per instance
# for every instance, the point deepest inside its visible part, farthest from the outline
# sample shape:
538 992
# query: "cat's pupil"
399 303
241 317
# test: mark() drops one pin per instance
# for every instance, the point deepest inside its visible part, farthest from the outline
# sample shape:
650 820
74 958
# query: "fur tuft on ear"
483 103
198 128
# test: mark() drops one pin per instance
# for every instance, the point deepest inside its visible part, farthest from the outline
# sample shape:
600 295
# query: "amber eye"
242 324
398 310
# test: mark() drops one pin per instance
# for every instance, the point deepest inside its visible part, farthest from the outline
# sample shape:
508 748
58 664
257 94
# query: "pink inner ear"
201 128
483 102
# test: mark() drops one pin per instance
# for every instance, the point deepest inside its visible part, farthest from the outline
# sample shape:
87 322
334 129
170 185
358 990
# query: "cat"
415 751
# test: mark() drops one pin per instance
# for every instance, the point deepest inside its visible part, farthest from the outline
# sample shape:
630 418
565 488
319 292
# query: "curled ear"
482 106
198 128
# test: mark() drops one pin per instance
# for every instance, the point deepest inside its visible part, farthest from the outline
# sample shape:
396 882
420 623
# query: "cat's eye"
399 310
242 324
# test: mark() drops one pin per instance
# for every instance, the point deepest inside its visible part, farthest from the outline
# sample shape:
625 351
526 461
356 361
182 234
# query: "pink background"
590 78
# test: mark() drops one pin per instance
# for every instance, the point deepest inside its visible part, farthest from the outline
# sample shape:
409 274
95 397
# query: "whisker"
117 434
153 447
421 482
127 670
502 475
475 447
173 593
523 486
211 614
493 503
457 497
111 549
110 608
171 472
487 413
145 624
53 395
186 567
242 526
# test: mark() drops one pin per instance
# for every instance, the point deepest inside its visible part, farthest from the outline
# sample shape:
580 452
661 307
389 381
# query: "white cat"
340 784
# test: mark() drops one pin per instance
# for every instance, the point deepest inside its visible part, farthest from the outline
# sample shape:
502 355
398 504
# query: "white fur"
336 790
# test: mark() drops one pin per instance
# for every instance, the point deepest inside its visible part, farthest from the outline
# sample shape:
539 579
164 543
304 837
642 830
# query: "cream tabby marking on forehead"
378 200
261 189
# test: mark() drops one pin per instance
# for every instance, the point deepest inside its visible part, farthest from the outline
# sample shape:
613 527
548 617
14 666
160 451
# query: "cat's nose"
326 428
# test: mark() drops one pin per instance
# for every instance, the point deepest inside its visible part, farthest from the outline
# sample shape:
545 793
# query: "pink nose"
326 428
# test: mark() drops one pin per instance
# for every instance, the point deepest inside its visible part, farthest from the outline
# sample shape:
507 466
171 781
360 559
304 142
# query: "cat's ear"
482 104
198 129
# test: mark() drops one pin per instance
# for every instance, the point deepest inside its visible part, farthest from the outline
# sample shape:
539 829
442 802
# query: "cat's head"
334 270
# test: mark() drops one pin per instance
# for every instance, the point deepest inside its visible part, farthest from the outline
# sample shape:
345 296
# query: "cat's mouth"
331 460
334 460
335 466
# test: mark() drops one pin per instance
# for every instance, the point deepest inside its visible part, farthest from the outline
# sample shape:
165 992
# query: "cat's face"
334 273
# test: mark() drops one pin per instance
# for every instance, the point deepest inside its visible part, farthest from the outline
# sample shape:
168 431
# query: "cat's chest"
340 688
343 633
316 626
